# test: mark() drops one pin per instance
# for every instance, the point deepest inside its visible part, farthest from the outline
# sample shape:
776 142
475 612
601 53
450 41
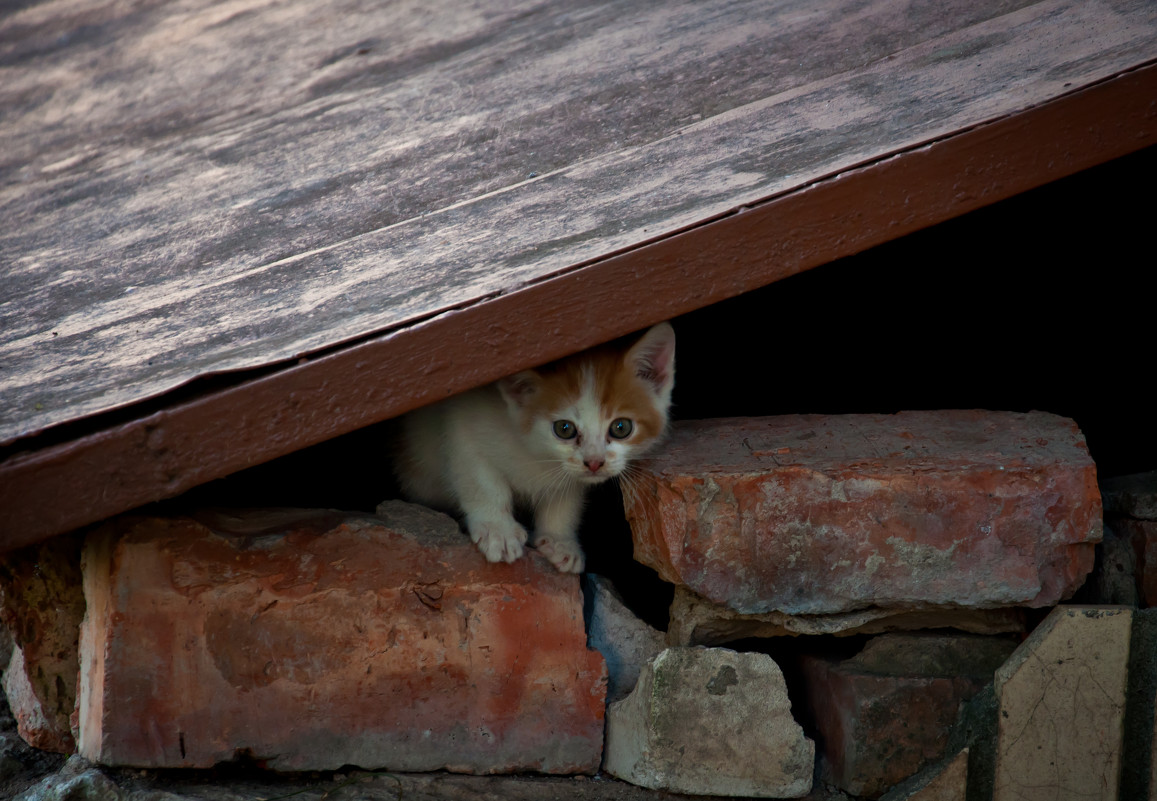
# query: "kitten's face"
591 414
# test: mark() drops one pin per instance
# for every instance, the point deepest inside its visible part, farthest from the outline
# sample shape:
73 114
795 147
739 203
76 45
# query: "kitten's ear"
519 388
653 358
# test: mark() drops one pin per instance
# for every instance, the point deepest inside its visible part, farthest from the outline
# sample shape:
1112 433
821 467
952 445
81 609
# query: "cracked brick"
814 514
317 643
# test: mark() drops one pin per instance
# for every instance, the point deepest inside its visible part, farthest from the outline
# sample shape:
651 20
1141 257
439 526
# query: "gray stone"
710 721
1062 703
625 641
78 780
10 764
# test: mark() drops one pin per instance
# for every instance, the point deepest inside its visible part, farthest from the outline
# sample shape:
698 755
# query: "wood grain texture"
161 453
203 188
372 260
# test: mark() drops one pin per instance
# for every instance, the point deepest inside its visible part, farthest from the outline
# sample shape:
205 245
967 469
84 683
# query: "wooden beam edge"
160 455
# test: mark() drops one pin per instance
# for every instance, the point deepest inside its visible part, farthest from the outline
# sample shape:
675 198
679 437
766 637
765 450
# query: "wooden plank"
433 263
163 453
196 189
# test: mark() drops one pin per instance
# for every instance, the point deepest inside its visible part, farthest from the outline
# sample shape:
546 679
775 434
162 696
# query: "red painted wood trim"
97 475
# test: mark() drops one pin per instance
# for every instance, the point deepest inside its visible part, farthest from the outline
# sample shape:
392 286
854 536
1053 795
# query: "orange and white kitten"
539 438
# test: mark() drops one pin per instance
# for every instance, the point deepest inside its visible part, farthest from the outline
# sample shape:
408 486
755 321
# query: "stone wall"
870 603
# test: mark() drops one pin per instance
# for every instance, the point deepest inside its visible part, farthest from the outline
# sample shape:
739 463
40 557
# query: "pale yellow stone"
1062 707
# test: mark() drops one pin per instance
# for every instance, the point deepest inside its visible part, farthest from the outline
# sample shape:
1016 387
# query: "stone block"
710 721
41 605
812 514
626 642
1062 704
383 642
886 713
697 621
78 780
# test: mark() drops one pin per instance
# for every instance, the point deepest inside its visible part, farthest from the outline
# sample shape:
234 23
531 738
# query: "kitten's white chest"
470 433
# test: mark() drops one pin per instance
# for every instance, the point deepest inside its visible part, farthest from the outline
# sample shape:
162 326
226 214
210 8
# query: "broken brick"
887 712
697 621
1142 537
378 642
813 514
41 604
1131 496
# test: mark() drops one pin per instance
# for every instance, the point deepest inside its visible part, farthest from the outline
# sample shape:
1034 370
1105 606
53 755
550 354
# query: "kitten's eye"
564 429
621 428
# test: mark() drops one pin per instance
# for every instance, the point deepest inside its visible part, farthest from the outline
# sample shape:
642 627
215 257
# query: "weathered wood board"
194 188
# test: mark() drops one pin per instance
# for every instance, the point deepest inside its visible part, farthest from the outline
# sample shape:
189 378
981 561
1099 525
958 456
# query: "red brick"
42 604
886 713
695 621
822 514
383 644
1143 536
1131 496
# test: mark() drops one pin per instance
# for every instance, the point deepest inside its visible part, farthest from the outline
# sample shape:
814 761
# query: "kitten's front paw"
563 552
499 540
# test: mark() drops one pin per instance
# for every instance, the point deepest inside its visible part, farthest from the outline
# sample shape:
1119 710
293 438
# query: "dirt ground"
27 774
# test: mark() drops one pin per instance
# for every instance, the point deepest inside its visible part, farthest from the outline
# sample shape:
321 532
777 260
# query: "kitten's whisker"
631 481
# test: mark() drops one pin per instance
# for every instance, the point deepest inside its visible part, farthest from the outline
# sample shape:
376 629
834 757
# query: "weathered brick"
1131 496
710 721
383 643
823 514
697 621
42 604
1062 704
886 713
1142 536
945 782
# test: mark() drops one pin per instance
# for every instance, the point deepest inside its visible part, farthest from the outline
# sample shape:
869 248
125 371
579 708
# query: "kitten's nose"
594 464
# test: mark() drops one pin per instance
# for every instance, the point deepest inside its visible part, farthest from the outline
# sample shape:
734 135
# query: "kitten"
539 438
